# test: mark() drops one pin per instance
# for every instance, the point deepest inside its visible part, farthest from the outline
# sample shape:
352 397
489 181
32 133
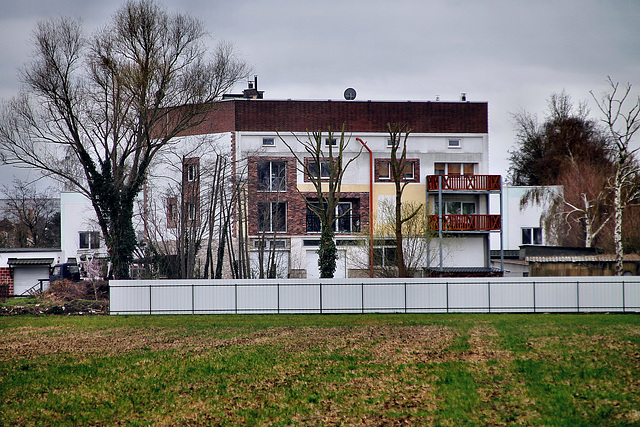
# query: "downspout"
370 204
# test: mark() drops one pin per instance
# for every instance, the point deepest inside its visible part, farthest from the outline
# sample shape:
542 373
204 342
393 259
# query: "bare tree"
577 213
400 169
324 170
35 215
621 111
111 103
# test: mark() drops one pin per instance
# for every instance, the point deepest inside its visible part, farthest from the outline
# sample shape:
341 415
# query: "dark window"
347 219
272 176
324 169
268 141
89 240
272 217
532 236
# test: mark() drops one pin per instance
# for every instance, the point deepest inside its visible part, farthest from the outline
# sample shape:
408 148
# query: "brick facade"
358 116
6 278
296 205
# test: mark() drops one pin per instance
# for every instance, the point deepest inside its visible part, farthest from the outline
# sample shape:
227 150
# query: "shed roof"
30 261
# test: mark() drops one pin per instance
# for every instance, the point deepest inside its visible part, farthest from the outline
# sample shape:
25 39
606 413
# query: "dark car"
68 271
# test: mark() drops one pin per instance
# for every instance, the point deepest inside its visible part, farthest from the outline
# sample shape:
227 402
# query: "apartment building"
446 171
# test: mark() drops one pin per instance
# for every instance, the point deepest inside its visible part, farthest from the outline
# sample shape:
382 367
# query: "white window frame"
268 141
328 175
388 169
405 176
192 172
271 223
532 235
331 142
274 179
454 143
92 236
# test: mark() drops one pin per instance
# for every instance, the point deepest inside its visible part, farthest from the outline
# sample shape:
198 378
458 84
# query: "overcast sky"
512 54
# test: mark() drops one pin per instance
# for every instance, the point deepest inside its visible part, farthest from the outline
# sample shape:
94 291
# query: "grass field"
320 370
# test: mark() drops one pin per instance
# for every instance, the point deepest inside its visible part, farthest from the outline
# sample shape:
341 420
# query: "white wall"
514 218
76 215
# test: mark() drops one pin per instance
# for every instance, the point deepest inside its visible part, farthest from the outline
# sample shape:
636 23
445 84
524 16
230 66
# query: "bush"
67 290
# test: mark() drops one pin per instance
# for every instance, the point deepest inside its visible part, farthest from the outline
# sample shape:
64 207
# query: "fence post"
447 289
278 295
624 304
235 288
534 296
489 295
362 297
150 287
321 298
193 299
405 297
578 296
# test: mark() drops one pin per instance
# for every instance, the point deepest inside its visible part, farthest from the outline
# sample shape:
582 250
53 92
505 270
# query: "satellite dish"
350 94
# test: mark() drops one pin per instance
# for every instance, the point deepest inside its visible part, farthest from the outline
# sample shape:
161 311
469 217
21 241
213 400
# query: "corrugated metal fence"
478 295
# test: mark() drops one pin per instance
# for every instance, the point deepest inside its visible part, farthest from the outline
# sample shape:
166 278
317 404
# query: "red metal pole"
370 204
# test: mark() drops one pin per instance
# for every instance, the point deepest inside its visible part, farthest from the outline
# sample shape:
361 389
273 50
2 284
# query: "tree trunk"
617 217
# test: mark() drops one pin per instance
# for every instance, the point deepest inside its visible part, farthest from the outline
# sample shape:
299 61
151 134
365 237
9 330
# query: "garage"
28 273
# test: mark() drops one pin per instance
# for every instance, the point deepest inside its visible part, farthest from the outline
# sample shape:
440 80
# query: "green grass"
320 370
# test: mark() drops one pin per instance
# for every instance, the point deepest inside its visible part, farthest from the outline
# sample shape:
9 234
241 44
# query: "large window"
272 176
191 169
348 221
385 253
272 217
532 236
457 208
409 172
313 169
89 240
454 168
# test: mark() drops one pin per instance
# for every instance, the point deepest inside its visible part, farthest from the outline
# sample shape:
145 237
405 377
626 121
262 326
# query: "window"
347 222
324 169
408 173
532 236
454 143
190 169
331 142
384 171
271 176
389 142
89 240
457 208
268 141
269 244
192 211
454 168
272 217
385 253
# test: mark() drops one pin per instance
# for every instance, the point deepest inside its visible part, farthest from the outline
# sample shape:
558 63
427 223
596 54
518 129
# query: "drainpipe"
370 204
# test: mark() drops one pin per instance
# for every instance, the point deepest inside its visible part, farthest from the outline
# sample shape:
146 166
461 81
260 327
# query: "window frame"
454 143
261 219
312 164
93 240
535 236
268 141
275 183
333 142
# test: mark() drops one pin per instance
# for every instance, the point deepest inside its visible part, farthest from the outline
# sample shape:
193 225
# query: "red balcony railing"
464 182
465 222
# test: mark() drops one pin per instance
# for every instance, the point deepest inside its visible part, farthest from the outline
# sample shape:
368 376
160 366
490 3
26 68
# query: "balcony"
465 222
349 223
464 182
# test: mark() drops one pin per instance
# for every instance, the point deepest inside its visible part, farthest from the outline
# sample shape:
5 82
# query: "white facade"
80 238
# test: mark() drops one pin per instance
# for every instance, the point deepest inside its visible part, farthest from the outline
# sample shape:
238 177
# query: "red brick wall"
359 116
6 278
296 205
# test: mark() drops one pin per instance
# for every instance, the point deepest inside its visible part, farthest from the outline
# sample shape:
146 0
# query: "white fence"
477 295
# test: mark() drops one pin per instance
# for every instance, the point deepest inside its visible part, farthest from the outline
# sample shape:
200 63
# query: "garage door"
313 272
26 277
